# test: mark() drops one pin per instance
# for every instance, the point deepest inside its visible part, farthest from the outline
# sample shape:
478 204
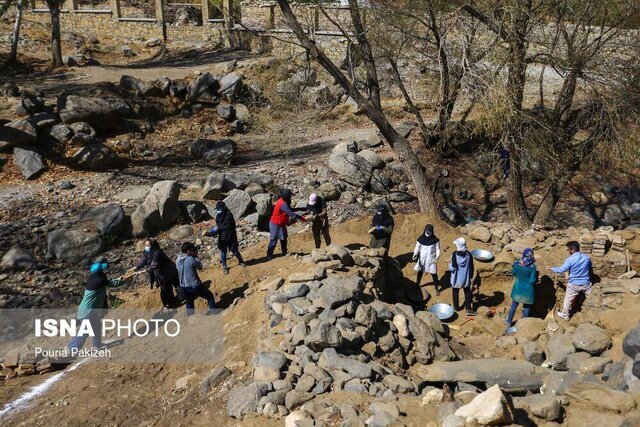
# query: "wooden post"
115 9
205 12
160 18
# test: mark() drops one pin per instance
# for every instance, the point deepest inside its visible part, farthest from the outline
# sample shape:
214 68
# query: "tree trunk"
56 48
15 37
515 87
551 199
399 144
515 195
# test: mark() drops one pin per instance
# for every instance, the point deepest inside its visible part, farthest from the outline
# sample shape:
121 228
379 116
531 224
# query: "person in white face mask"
162 271
426 253
461 267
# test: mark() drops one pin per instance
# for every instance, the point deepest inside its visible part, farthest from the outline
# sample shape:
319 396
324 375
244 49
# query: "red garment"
279 217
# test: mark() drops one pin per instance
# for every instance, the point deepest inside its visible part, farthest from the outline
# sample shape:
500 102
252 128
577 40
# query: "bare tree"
443 45
574 39
591 47
56 45
370 104
15 36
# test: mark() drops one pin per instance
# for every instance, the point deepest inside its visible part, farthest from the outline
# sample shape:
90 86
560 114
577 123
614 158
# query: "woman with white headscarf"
461 267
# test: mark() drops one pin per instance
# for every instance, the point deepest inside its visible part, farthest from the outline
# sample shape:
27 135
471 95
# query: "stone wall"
253 27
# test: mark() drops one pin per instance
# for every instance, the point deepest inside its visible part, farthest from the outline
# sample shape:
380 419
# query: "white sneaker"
562 315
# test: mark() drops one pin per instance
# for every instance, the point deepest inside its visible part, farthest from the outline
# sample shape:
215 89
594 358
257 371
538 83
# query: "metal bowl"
511 330
482 255
442 310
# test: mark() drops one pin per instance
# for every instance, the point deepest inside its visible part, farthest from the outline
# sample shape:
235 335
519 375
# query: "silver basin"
442 310
482 255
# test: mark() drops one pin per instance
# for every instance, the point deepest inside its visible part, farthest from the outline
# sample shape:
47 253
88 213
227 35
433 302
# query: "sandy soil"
141 394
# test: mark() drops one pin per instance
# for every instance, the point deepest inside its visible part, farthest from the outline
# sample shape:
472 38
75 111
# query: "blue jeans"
225 248
190 295
526 308
96 325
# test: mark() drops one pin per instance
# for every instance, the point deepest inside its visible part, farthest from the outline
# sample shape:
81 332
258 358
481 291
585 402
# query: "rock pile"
337 336
23 361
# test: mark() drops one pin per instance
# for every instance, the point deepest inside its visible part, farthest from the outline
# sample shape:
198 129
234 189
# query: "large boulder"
138 87
61 133
330 360
159 210
73 246
99 113
324 335
244 400
559 348
335 291
491 408
231 85
204 84
213 186
601 396
239 203
591 338
351 168
29 160
219 153
264 204
481 233
373 158
107 219
95 156
10 136
510 375
17 259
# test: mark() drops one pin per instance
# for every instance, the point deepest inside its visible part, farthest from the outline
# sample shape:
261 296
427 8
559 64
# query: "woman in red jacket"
282 216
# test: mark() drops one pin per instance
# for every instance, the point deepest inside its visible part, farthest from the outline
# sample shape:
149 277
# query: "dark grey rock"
73 246
99 113
29 161
106 219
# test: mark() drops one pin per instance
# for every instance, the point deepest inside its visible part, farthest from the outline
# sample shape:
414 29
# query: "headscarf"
222 207
427 238
99 265
286 195
527 257
382 217
461 244
313 199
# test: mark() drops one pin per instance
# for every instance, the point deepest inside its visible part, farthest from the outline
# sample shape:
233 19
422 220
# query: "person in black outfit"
381 228
227 236
162 271
320 222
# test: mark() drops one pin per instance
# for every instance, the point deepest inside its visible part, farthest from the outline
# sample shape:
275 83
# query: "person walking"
162 272
426 253
94 303
461 267
282 216
526 276
320 221
227 236
579 267
188 265
381 228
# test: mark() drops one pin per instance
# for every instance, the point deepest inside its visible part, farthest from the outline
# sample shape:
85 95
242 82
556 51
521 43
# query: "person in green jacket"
94 300
526 274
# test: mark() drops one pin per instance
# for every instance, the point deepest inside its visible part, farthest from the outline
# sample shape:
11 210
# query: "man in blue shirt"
579 267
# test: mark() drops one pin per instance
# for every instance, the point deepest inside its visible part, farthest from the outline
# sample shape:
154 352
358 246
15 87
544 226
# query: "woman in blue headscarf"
526 274
94 302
